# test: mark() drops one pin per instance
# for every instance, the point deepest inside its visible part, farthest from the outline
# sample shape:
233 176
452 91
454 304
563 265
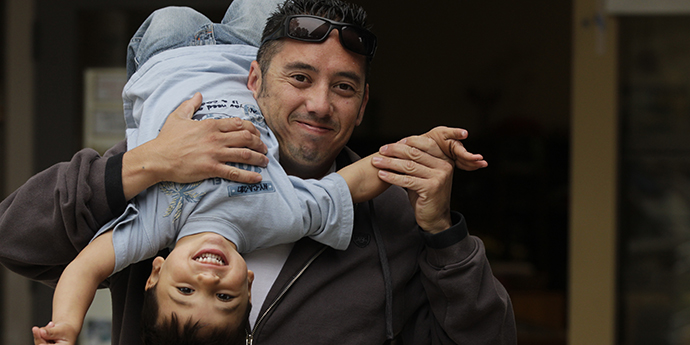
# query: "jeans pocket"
204 36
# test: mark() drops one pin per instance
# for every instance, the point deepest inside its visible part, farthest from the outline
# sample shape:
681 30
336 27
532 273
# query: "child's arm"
363 180
362 176
75 291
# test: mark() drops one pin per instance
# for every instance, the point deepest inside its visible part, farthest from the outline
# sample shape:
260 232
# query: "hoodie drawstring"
385 268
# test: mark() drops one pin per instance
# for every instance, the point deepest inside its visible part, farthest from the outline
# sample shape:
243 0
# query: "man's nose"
318 102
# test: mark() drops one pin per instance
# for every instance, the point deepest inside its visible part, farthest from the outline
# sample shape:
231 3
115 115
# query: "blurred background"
581 108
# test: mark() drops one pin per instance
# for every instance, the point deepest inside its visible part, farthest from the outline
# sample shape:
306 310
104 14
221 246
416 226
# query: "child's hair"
169 331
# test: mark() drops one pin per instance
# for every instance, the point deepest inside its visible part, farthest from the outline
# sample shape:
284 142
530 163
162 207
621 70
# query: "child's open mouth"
210 258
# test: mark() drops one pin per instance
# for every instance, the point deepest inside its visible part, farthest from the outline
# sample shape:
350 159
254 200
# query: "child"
204 280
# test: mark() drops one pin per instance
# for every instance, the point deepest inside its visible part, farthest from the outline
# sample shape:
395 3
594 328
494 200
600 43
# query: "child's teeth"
210 258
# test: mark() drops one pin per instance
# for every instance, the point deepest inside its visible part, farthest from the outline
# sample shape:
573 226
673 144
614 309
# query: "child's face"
204 278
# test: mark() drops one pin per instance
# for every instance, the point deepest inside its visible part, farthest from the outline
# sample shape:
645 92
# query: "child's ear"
155 272
250 279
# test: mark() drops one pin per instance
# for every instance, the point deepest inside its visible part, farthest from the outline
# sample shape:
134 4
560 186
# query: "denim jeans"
175 27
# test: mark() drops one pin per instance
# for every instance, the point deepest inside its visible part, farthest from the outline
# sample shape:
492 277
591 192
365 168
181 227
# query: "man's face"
312 96
204 278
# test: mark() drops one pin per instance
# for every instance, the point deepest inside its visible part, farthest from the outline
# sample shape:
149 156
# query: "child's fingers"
38 340
441 133
469 161
50 332
471 166
444 143
464 159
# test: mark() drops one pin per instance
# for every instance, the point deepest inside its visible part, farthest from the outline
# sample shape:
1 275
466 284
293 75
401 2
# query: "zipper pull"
250 339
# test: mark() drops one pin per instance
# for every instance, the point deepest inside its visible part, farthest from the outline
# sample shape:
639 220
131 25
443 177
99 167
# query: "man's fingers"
236 124
245 138
424 144
408 155
404 181
187 109
239 174
408 170
234 132
242 156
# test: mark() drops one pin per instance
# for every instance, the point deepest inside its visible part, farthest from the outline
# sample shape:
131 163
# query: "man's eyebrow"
351 75
301 65
305 66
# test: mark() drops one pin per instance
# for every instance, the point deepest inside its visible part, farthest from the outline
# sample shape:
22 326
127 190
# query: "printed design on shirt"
180 193
254 115
219 109
238 189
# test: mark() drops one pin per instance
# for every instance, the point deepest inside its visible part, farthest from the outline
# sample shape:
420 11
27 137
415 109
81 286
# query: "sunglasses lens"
314 29
355 41
308 28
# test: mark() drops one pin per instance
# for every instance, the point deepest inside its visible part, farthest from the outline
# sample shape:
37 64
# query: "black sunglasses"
316 29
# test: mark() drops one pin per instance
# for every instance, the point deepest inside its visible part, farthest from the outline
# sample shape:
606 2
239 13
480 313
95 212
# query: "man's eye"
185 290
224 297
345 87
300 78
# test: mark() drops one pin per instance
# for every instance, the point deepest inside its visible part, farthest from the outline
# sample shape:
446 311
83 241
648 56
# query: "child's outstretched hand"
448 140
52 333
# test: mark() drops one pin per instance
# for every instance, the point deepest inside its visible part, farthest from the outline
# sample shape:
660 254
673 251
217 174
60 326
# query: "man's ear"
155 272
254 79
365 100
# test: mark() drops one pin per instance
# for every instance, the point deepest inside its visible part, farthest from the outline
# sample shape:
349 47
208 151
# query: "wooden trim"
18 118
593 207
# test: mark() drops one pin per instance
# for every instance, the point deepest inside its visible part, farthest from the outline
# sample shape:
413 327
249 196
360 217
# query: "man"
412 274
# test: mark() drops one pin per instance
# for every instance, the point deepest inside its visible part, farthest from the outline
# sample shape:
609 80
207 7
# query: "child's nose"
208 277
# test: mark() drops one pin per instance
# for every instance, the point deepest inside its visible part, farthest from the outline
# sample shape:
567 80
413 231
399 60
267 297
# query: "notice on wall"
104 123
650 7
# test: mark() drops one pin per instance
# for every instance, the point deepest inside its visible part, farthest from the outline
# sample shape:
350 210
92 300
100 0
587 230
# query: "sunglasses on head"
316 29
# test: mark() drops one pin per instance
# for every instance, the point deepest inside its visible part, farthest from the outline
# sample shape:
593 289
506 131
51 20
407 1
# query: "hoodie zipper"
250 336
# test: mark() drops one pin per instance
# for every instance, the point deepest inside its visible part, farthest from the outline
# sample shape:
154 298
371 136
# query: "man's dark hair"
335 10
169 331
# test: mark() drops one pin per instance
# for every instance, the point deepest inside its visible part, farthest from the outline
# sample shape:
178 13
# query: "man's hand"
418 164
424 165
188 151
55 334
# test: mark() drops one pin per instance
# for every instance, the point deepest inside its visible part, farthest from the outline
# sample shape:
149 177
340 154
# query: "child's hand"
52 333
448 139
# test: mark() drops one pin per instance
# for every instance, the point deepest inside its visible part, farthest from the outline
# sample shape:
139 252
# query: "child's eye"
224 297
185 290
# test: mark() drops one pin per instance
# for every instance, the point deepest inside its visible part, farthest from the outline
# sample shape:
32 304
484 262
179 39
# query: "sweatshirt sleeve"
53 215
468 302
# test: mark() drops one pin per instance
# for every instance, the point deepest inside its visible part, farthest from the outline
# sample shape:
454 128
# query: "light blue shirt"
280 209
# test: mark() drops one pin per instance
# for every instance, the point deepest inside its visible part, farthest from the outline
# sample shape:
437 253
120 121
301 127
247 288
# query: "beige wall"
592 297
16 299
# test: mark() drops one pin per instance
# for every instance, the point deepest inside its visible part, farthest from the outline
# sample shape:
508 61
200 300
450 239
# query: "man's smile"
313 127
